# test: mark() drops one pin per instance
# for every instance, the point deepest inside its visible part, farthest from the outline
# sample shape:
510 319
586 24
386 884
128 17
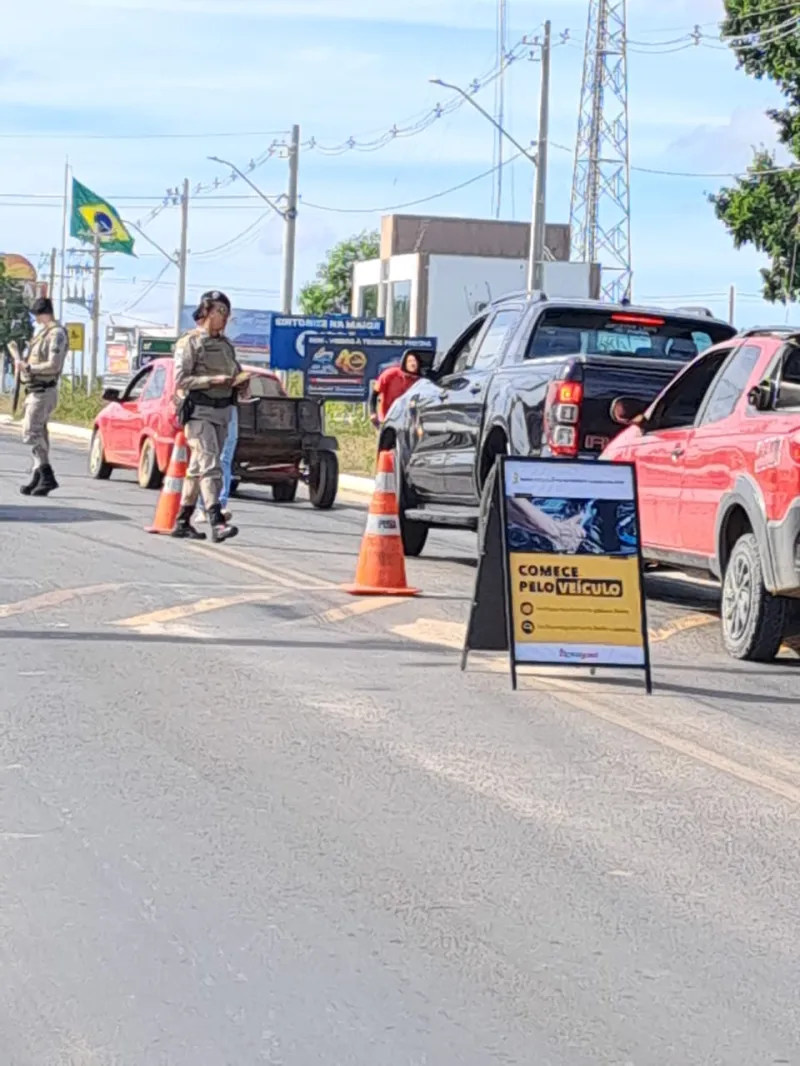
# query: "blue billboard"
289 332
248 331
343 368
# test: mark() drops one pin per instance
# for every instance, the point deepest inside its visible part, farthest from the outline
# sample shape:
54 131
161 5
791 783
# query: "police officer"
205 375
39 372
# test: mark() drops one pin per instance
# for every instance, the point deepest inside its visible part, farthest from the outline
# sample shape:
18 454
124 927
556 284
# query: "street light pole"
289 216
180 296
537 246
539 215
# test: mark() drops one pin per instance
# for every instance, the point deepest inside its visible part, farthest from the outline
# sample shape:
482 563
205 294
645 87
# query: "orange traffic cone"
381 569
169 502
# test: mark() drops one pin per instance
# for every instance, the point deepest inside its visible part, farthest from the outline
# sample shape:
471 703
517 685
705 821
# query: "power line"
411 203
16 136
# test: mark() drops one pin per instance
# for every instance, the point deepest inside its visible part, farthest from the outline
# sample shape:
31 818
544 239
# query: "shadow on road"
53 514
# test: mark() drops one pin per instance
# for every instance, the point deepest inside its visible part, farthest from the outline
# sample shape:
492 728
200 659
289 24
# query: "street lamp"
244 177
501 129
537 246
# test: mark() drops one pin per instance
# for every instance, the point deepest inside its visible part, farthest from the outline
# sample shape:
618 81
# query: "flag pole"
95 314
64 225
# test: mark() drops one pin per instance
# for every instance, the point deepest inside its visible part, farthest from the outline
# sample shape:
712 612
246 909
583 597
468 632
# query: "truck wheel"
413 534
284 491
148 474
99 469
323 480
753 620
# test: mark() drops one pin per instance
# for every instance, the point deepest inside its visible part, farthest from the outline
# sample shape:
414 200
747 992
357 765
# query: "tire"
323 480
148 474
99 468
284 491
413 534
753 620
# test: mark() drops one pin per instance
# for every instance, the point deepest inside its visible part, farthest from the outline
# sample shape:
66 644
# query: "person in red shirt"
391 385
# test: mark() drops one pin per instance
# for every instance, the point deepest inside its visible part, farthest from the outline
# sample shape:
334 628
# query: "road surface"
246 819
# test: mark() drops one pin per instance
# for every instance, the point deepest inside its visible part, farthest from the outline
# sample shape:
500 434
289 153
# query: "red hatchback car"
136 430
718 467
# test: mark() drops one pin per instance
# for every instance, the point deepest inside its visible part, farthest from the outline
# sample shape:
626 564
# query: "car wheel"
99 469
753 620
284 491
148 474
323 480
413 534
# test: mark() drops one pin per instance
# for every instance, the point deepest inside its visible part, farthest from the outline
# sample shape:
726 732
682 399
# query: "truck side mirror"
110 395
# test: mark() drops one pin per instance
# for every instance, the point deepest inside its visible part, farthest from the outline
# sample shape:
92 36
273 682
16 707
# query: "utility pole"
64 227
52 287
95 315
732 304
182 256
539 214
290 224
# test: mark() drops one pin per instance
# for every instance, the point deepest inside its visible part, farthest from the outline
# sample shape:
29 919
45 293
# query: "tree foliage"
762 209
15 319
332 291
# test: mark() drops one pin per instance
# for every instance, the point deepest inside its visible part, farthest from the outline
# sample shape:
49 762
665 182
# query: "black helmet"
207 300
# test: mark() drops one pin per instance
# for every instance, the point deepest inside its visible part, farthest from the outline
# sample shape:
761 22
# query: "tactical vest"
37 354
214 357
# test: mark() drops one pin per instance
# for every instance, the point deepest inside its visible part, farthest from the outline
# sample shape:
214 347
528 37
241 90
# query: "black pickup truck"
529 376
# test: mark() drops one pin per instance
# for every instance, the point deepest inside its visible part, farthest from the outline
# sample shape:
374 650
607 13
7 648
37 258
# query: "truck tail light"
562 413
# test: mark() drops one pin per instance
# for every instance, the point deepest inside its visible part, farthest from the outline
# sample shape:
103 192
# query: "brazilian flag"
91 215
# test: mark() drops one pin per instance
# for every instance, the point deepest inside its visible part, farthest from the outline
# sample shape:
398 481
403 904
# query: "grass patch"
75 407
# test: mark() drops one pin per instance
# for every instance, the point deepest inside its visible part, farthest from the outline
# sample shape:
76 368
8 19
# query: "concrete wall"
412 234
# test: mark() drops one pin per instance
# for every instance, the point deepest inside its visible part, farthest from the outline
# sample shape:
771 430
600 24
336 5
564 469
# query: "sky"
137 94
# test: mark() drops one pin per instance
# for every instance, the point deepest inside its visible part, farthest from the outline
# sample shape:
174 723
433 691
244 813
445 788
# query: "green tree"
332 291
762 209
15 320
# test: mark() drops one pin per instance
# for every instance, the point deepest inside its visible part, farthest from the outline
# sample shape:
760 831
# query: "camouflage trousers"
205 435
38 408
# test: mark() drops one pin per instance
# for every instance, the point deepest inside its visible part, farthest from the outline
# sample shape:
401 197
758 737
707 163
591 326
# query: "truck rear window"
574 331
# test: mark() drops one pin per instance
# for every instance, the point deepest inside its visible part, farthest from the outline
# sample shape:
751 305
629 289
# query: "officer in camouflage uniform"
205 373
39 372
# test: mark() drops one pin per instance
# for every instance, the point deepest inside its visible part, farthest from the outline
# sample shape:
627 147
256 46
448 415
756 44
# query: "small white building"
434 274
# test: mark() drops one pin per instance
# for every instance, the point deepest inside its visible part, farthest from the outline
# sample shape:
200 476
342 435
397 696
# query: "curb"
362 486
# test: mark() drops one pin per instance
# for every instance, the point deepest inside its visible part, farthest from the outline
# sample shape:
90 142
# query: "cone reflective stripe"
169 502
381 569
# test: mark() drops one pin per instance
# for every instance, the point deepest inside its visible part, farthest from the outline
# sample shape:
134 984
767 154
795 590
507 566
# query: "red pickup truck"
718 467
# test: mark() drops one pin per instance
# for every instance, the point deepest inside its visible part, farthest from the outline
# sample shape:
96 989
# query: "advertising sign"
247 330
343 368
117 361
289 333
568 540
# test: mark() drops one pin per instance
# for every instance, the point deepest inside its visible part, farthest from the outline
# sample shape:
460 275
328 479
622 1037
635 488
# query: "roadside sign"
248 331
562 567
76 334
151 348
289 332
340 367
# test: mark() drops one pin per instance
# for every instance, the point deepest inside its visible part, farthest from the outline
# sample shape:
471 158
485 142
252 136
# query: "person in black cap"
207 381
39 372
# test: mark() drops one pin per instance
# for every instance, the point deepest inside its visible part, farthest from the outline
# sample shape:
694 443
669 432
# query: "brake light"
638 320
562 415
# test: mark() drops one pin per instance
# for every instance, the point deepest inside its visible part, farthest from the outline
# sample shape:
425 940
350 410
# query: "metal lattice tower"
600 216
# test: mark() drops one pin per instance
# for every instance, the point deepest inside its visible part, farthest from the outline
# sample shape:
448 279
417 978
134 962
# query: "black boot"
47 481
184 530
220 530
36 477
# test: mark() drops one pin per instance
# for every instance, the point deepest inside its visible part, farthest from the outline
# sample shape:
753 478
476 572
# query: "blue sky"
216 77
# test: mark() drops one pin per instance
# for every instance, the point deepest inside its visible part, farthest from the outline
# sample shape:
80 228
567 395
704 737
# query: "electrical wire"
147 291
229 244
413 203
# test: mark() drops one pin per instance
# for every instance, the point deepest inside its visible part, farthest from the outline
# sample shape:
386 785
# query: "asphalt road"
247 819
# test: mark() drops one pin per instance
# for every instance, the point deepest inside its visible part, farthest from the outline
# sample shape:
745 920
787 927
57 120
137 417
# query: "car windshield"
576 331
